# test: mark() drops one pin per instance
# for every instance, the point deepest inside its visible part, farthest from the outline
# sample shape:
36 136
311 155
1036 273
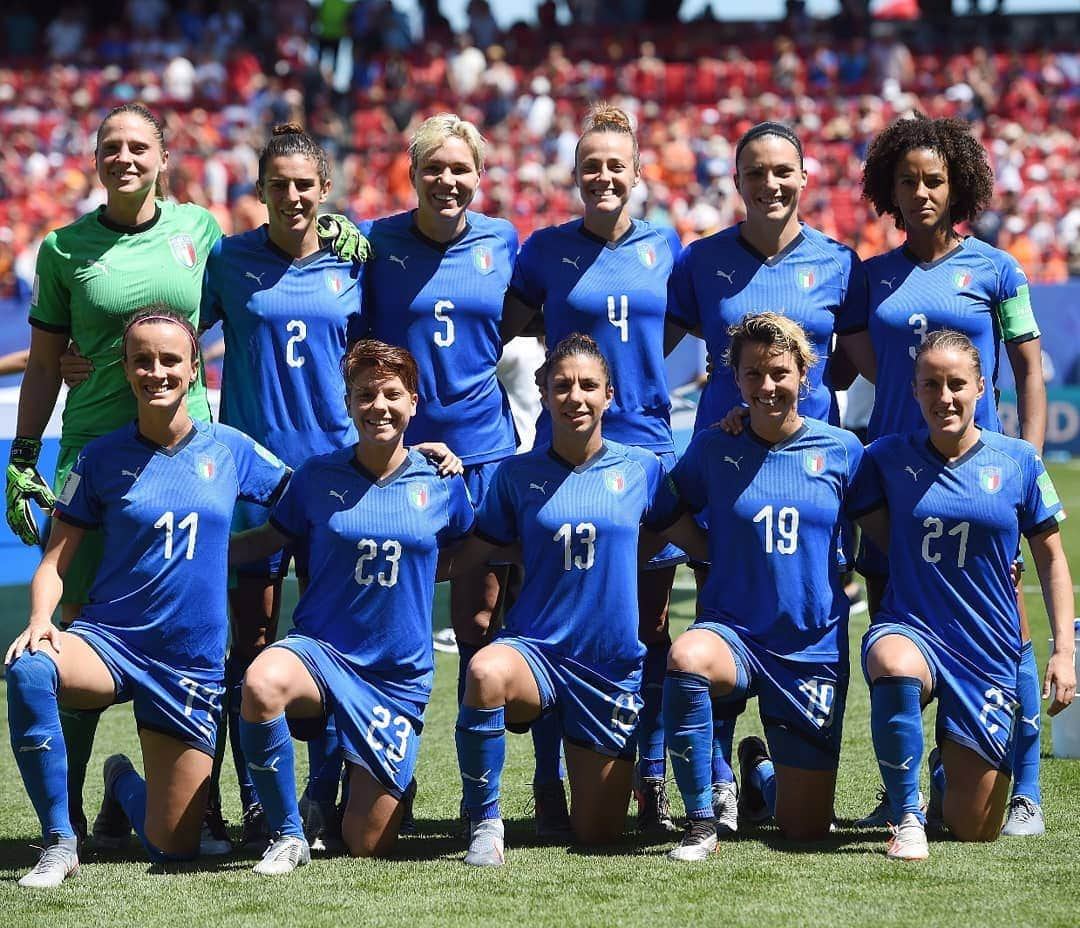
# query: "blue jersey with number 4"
720 279
578 529
165 514
954 532
443 301
975 289
775 514
374 546
287 323
615 292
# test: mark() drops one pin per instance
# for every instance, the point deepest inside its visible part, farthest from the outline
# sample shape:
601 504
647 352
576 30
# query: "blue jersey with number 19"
578 529
374 546
165 514
444 303
720 279
617 293
775 513
954 532
975 289
287 323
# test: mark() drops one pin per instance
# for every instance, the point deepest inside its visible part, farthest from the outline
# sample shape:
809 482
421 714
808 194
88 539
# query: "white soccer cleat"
699 841
56 863
725 805
1025 819
908 840
285 854
880 815
486 844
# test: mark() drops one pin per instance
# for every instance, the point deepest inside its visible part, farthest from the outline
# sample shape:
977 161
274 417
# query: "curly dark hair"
971 181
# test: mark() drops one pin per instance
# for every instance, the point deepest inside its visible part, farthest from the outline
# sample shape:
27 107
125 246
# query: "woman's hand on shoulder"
440 455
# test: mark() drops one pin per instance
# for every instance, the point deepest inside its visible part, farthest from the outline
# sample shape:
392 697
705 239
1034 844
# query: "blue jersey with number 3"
165 514
954 532
775 513
615 292
443 301
374 547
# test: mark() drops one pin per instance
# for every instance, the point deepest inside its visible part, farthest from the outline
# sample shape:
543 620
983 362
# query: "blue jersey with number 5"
165 514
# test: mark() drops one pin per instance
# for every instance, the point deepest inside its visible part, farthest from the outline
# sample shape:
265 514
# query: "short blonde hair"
773 331
435 130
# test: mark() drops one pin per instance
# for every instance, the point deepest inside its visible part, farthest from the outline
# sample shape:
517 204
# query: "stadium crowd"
221 74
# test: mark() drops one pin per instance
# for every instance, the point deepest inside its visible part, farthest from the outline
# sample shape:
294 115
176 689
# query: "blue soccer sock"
763 778
324 764
723 739
650 732
547 745
38 741
79 727
1026 747
268 748
688 727
129 789
465 654
236 666
896 729
481 750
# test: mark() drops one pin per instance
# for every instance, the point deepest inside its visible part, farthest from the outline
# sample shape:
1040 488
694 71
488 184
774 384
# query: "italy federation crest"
961 279
333 282
814 462
418 496
646 254
483 259
806 277
183 249
204 466
990 479
615 481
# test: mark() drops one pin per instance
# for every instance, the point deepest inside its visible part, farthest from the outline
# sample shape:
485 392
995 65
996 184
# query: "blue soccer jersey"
374 545
775 514
287 323
720 279
954 532
617 293
578 529
165 514
444 303
975 289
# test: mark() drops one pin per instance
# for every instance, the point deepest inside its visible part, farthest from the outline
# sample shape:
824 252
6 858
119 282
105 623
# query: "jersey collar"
579 468
438 246
129 230
593 237
945 462
285 256
930 265
780 445
376 481
168 452
779 256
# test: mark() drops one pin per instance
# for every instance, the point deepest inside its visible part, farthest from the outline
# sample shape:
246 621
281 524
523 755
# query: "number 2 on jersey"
298 330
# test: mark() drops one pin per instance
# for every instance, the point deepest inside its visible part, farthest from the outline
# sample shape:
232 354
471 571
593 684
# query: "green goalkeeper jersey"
92 274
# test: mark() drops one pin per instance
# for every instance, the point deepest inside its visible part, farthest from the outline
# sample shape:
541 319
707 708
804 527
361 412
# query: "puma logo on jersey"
98 264
684 756
30 748
734 462
914 473
888 283
542 487
133 474
482 779
271 767
572 262
398 260
729 276
905 764
255 277
339 494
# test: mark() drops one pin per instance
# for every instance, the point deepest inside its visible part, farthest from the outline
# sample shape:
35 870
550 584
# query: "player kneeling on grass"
162 489
570 644
959 498
773 623
373 518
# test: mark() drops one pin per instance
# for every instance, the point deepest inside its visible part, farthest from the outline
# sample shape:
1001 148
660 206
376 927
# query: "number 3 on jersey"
444 338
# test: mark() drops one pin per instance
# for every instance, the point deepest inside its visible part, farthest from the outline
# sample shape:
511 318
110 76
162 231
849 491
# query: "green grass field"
755 880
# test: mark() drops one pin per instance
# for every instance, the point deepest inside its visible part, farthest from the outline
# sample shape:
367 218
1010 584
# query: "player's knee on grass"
804 803
372 816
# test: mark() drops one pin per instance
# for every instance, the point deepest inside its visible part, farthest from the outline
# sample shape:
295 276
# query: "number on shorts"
208 694
995 702
369 550
396 744
586 536
446 338
190 522
787 529
624 714
298 330
820 695
620 316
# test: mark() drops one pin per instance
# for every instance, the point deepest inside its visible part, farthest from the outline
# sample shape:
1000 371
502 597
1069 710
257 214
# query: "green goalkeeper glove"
345 239
25 484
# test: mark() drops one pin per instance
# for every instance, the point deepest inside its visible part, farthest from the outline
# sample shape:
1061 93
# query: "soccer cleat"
908 840
254 832
725 804
322 824
752 751
445 640
654 812
112 829
551 814
881 816
699 841
464 822
285 854
213 838
57 862
1025 819
486 846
